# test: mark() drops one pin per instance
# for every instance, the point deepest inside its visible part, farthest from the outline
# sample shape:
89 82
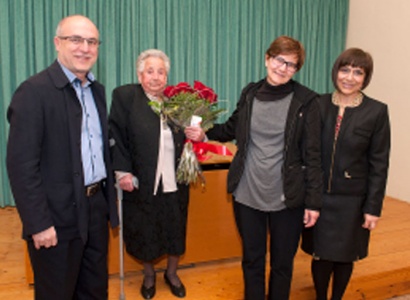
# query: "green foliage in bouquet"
180 108
189 169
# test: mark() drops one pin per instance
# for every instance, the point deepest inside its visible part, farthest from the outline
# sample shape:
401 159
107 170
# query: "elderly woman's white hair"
140 63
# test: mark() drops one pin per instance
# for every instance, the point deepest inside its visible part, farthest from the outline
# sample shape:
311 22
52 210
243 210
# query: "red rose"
182 87
169 91
199 85
205 92
208 94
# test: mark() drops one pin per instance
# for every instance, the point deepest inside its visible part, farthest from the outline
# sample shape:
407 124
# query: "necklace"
356 101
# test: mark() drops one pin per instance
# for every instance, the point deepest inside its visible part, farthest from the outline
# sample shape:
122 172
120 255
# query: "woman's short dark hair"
287 45
357 58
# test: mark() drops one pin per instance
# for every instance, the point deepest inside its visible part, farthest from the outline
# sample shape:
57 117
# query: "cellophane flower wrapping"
182 102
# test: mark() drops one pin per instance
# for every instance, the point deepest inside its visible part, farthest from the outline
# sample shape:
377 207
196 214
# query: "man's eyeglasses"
78 40
290 66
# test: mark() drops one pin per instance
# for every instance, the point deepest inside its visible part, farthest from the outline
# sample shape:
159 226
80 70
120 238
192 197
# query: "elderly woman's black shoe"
177 291
148 293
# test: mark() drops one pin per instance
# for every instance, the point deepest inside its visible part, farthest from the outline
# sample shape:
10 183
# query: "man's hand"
46 238
310 217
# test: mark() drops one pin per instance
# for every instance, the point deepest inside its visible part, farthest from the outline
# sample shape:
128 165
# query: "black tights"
322 270
172 265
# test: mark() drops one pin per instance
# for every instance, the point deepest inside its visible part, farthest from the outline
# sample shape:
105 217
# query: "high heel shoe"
177 291
148 293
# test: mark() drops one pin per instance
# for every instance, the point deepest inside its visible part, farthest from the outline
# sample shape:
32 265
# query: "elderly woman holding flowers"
146 149
275 176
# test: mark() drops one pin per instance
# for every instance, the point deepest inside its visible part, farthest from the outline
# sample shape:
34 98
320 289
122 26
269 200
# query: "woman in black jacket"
275 176
355 158
145 154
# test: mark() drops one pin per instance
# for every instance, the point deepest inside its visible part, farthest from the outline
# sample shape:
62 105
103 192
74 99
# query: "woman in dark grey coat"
355 158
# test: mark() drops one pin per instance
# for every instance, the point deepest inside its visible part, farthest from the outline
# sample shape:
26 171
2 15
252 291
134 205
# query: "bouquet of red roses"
183 101
189 106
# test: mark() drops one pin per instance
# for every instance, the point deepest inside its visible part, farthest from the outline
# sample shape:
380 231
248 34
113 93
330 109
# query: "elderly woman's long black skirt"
155 225
338 234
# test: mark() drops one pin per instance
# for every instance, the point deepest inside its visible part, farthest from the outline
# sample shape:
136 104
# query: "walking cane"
119 197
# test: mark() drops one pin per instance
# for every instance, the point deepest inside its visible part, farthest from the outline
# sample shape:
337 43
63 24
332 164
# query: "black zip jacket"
357 164
302 174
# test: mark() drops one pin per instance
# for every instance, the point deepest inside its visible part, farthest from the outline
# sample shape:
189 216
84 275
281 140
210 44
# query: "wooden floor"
383 275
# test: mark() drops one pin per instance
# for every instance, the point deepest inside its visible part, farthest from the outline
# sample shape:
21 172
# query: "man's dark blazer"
44 155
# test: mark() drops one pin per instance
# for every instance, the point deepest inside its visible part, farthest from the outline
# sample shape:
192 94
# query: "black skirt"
155 225
338 234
